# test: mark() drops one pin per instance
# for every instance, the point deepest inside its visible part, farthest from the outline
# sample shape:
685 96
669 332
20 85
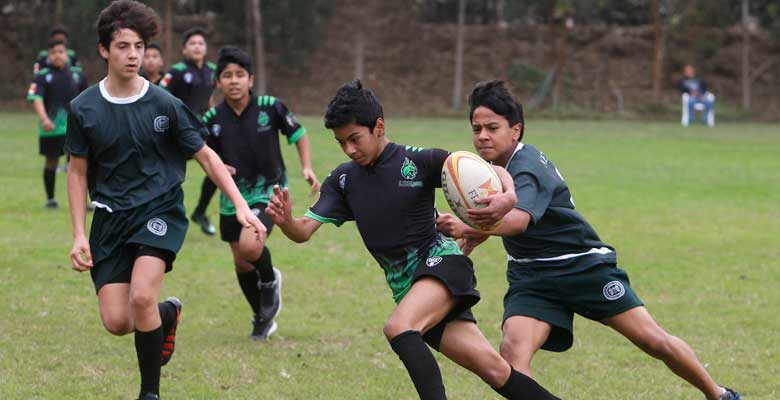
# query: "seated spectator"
696 97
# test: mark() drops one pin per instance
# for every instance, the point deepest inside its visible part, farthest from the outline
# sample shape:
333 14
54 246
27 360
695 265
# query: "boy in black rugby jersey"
245 133
388 190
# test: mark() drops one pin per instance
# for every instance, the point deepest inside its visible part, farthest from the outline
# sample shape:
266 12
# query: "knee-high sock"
421 365
207 190
48 181
148 348
264 266
248 282
521 387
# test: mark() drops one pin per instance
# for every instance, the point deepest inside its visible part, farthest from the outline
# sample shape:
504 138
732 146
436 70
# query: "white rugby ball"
465 178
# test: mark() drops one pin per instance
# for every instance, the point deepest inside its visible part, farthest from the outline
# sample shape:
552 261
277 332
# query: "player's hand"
468 244
497 206
280 207
47 125
451 226
248 219
80 256
309 176
231 169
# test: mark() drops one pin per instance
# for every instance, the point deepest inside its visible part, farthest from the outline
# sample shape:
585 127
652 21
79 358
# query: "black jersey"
136 148
56 88
191 84
558 238
392 203
250 143
42 61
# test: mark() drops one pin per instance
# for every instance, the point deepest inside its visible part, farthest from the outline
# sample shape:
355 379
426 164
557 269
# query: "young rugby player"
129 142
388 190
57 34
192 81
51 91
245 133
151 67
557 264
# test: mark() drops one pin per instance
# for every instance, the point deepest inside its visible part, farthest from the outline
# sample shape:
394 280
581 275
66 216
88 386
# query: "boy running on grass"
557 264
388 190
129 142
245 133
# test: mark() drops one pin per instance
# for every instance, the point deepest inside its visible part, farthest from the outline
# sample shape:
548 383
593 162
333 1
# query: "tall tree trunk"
58 12
360 55
658 59
168 32
260 84
457 85
746 54
248 25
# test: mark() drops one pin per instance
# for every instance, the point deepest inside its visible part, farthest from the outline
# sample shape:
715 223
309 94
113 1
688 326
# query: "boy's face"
235 82
58 56
689 71
195 48
493 138
359 144
124 54
152 60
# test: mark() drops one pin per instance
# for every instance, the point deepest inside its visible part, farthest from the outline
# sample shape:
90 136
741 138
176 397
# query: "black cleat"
271 297
148 396
730 394
169 341
262 329
203 221
51 203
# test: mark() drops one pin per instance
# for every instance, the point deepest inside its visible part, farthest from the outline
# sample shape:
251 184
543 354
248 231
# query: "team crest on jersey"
188 77
613 290
161 123
263 118
433 261
408 169
216 129
342 181
157 226
76 78
48 78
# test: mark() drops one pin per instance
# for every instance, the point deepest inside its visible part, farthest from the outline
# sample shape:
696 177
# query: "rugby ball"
466 177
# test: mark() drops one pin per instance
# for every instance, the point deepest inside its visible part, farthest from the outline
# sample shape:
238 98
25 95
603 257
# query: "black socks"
421 365
148 348
248 282
521 387
264 267
207 190
48 181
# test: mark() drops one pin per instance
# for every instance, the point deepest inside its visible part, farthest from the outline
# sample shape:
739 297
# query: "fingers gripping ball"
465 178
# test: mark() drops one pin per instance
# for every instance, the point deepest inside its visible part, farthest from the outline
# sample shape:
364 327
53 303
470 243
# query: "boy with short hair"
57 33
129 142
151 68
192 81
50 92
389 191
557 264
245 133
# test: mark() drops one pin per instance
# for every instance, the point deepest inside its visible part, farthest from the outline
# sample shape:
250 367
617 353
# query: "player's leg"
692 109
463 343
269 282
49 178
114 304
523 337
639 327
207 190
709 111
427 302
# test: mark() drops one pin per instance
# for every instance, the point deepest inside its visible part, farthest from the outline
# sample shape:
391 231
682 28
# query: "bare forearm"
77 197
40 109
218 173
515 222
299 230
304 152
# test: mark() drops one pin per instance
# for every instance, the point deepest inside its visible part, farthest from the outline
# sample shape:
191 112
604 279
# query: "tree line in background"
296 39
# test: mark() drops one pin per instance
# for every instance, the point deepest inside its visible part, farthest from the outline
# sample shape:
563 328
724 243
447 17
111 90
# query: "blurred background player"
52 89
695 96
244 131
152 65
192 81
58 33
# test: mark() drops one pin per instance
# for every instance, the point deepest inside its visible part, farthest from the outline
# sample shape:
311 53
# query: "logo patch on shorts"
161 123
433 261
614 290
255 211
157 226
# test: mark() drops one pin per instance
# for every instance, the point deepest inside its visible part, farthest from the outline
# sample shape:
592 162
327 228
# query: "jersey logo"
342 181
188 77
613 290
433 261
161 123
215 129
409 169
291 120
76 78
543 159
263 118
157 226
48 78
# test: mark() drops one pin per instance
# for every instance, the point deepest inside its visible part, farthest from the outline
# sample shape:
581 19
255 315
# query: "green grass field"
692 212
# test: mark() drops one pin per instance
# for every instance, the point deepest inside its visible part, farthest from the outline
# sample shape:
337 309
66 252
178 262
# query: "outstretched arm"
279 209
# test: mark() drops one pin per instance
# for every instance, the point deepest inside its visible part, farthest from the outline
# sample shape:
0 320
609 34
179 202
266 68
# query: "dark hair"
58 30
190 33
127 14
233 55
497 97
154 46
353 104
53 43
